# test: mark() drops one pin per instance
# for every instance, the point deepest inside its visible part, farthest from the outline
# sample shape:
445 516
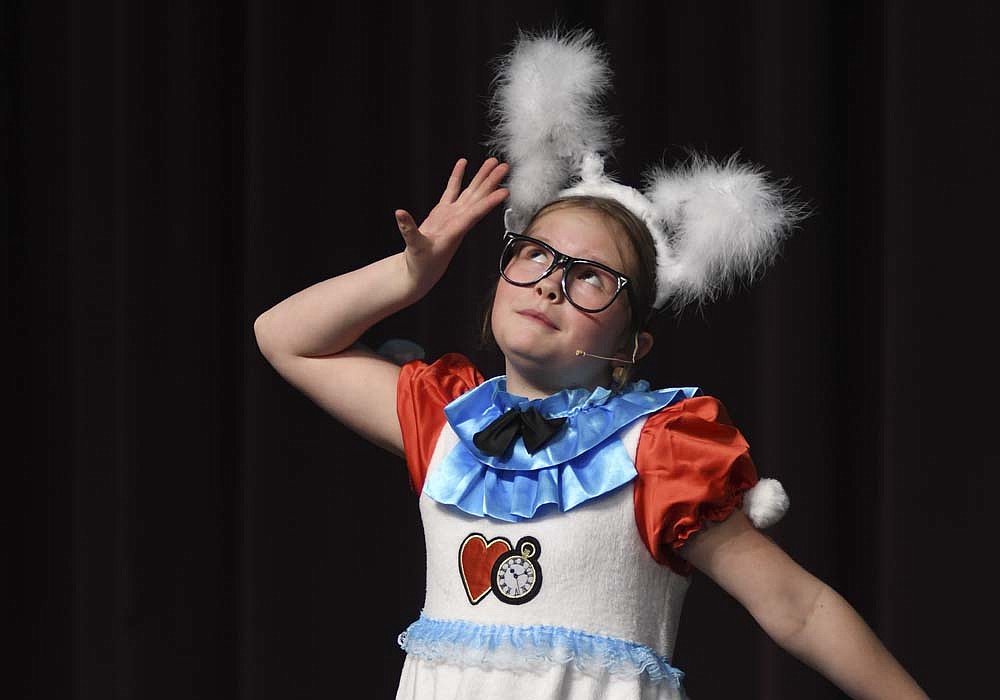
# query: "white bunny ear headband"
712 223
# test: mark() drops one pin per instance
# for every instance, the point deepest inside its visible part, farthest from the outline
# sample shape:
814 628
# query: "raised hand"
431 246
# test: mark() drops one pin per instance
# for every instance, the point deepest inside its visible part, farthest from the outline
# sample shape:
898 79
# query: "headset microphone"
635 350
580 353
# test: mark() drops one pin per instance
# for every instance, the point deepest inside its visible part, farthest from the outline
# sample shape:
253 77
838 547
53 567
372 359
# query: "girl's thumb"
407 226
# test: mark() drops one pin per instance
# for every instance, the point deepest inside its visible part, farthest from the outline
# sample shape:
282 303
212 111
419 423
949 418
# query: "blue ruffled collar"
582 462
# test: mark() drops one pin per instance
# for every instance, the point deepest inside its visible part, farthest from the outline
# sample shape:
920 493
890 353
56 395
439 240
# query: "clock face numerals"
517 576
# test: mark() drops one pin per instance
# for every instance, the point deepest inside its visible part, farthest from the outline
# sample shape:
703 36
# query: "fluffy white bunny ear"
548 114
765 503
725 223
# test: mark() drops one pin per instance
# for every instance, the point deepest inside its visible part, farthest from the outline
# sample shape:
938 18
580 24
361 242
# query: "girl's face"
539 331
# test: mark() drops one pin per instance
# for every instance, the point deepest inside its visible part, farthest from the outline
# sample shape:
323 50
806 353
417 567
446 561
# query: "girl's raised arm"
798 611
308 337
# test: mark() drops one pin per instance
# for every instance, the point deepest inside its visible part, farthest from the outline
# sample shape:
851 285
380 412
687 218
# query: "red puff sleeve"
693 466
422 392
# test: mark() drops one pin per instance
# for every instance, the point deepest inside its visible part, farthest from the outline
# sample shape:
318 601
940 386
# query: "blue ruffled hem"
526 648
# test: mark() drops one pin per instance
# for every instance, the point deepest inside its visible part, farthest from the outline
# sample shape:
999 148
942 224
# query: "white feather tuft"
547 112
765 503
726 222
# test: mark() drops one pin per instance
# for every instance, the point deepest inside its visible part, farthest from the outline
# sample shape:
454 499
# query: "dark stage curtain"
191 527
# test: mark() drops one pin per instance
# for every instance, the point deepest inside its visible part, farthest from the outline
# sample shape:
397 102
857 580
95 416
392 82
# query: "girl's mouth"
540 317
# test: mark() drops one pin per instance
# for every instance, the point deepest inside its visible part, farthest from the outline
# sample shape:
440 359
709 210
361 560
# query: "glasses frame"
565 262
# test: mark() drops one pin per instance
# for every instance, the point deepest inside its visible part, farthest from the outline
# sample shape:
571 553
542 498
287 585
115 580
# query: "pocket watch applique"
512 573
517 575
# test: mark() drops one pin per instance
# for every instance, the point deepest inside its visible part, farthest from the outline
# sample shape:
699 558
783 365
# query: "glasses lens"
590 287
525 262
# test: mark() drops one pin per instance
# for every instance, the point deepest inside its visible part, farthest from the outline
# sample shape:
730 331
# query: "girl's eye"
535 254
591 277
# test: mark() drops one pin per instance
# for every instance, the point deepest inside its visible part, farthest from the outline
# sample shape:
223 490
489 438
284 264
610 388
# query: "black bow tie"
535 428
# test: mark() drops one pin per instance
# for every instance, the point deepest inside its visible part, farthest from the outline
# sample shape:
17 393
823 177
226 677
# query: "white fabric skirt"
433 680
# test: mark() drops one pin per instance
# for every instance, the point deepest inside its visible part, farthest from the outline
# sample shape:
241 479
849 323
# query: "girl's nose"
549 288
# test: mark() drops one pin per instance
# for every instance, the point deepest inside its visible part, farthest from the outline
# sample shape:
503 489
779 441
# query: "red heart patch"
475 562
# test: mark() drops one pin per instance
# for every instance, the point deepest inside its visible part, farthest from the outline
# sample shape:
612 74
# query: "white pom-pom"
765 503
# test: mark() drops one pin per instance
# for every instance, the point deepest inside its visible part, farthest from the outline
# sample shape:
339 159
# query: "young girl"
564 505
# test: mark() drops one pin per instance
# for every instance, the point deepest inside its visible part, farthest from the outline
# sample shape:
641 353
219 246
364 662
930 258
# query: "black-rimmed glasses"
588 285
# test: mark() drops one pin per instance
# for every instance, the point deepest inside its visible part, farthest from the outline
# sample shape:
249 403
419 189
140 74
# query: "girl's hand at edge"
431 246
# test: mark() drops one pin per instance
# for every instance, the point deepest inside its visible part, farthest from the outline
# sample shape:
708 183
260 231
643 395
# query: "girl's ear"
645 345
640 343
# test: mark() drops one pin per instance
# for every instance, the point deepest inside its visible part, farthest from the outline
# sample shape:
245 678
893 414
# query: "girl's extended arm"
798 611
308 337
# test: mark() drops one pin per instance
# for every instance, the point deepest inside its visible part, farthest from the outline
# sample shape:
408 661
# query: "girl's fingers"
458 210
485 205
455 181
495 198
484 170
495 177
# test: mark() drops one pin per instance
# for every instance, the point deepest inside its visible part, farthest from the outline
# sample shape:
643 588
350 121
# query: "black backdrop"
190 526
